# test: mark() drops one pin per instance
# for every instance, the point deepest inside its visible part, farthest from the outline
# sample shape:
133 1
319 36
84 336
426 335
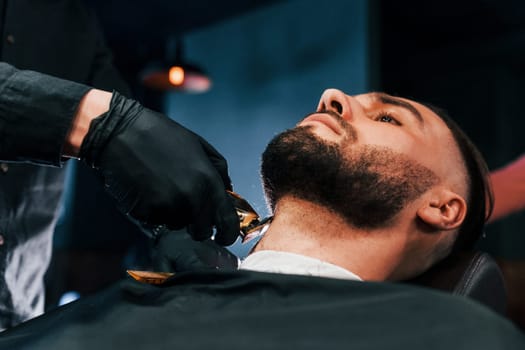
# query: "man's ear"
445 210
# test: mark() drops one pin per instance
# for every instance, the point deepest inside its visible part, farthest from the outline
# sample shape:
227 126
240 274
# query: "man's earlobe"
446 211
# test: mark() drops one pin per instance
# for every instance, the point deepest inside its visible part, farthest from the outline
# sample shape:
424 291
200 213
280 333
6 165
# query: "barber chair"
471 274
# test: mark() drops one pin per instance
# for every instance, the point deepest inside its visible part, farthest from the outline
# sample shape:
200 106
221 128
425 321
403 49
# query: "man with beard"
370 188
378 185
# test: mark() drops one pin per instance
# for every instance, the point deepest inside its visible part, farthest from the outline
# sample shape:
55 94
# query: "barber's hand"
176 251
159 172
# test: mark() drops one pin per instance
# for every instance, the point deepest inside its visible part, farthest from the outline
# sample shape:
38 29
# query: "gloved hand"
159 172
176 251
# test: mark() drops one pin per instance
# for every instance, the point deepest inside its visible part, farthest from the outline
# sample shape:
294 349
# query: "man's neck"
308 229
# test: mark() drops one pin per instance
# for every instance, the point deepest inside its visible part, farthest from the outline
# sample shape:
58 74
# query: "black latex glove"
176 251
159 172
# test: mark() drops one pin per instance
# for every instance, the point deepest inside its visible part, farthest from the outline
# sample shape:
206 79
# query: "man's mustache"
351 134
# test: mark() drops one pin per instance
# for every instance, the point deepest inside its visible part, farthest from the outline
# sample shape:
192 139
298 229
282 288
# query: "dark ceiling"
128 22
137 30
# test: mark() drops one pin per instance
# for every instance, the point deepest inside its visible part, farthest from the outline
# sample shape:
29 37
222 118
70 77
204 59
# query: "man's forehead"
378 96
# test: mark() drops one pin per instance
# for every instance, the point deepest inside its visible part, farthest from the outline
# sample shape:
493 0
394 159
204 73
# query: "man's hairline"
463 162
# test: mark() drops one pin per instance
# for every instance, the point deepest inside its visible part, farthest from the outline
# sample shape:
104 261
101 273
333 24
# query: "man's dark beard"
366 185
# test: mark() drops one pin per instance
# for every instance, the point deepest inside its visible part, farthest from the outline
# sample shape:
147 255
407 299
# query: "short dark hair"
480 198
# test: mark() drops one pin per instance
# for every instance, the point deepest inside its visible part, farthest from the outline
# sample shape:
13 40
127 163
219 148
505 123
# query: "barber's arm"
35 115
159 172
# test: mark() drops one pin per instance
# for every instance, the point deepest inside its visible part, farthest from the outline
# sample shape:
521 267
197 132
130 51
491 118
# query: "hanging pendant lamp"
176 74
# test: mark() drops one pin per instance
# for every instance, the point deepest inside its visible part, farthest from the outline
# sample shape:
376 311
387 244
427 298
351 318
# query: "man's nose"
336 101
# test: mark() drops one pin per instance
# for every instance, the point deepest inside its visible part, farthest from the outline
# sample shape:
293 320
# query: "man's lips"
325 119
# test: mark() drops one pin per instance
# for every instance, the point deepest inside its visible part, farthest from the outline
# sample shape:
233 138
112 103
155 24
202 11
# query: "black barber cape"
253 310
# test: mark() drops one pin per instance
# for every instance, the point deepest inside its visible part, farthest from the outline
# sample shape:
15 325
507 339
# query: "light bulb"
176 75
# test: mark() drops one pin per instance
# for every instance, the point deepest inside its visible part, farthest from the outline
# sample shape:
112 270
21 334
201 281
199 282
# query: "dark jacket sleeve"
35 115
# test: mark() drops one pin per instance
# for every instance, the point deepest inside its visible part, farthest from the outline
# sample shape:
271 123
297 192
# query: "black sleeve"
35 115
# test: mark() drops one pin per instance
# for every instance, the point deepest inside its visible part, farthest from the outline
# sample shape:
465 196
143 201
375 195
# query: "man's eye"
385 118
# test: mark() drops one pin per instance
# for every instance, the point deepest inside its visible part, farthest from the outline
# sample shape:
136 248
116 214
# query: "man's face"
364 157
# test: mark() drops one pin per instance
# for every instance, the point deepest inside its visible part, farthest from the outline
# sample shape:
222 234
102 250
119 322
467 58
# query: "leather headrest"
472 274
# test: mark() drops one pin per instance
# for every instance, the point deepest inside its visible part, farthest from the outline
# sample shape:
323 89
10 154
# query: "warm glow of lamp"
176 75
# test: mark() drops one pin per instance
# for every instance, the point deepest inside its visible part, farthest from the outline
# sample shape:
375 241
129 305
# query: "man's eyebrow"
391 100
